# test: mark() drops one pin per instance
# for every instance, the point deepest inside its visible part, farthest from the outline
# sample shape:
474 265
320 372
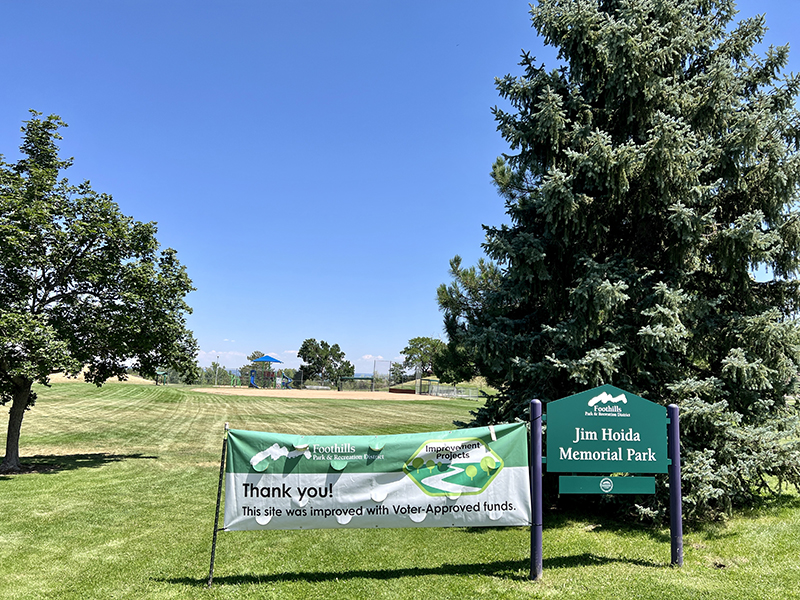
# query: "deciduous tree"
397 373
81 284
420 352
322 360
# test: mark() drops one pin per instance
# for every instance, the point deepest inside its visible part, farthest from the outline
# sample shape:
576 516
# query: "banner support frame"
675 491
219 500
537 561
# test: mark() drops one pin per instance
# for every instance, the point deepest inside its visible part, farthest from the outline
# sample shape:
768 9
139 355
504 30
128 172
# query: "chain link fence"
432 387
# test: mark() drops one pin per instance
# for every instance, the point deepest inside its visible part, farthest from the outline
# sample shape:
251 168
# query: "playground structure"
281 380
268 376
286 382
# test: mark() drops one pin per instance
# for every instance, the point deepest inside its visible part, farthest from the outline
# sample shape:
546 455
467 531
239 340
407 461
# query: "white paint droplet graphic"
263 520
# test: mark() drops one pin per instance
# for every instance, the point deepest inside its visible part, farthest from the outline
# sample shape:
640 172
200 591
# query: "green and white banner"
463 478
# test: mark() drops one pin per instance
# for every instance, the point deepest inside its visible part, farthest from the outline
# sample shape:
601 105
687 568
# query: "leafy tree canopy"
322 360
397 373
245 369
421 351
648 178
81 285
254 355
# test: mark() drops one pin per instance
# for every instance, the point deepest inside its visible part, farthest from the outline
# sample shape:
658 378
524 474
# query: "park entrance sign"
610 431
606 430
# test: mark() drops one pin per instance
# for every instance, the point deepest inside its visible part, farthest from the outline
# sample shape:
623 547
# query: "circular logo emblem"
606 485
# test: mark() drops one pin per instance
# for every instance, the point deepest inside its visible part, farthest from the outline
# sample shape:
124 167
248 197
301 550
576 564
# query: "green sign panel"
606 430
606 485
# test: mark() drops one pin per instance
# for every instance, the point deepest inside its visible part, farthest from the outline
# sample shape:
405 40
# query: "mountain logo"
605 398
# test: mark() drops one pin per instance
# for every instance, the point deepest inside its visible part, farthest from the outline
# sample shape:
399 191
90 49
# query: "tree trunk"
22 392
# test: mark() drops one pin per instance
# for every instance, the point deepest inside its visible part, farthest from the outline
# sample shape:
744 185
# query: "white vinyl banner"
463 478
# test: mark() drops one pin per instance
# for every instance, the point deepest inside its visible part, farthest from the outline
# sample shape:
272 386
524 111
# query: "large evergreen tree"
649 178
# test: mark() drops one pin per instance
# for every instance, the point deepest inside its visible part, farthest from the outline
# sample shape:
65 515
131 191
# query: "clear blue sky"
315 164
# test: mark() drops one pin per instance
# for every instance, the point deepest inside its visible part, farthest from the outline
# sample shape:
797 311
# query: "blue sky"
315 164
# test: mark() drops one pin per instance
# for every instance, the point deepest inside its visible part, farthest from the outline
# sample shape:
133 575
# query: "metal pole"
536 490
219 498
675 494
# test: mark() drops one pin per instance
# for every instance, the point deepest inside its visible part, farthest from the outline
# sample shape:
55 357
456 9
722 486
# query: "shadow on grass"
517 570
788 499
596 523
55 463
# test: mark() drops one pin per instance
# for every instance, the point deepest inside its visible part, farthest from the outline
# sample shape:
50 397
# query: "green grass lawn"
122 506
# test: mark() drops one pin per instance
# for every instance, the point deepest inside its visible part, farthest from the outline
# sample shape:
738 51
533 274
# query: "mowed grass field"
121 505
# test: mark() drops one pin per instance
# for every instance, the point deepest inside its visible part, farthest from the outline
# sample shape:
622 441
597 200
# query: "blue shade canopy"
266 358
